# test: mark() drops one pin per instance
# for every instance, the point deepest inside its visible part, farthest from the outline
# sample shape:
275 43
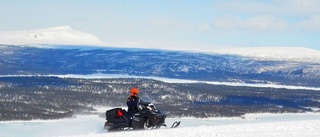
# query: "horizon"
185 25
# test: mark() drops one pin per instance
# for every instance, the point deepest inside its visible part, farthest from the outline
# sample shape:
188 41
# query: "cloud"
310 24
252 24
298 7
173 24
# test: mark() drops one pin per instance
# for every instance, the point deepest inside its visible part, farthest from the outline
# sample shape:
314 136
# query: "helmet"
134 92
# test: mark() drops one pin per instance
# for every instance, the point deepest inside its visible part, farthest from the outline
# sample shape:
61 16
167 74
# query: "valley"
36 97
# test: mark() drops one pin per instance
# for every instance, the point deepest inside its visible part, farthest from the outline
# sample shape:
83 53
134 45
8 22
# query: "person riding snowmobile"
141 114
132 101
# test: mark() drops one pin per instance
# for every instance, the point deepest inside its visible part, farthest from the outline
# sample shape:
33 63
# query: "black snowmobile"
148 117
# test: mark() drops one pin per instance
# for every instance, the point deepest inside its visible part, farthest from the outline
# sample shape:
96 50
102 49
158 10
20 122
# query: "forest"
43 97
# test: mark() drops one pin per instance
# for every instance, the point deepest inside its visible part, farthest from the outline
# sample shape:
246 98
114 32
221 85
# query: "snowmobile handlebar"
146 106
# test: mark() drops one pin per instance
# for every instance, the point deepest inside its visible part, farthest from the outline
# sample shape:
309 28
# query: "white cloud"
298 7
227 22
267 15
310 24
265 23
253 24
179 25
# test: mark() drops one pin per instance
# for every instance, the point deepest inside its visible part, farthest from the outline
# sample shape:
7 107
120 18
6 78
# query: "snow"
65 35
271 129
295 54
251 125
62 35
171 80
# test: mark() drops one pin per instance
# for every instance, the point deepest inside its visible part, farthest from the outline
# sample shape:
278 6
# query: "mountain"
22 60
28 89
75 52
293 54
63 35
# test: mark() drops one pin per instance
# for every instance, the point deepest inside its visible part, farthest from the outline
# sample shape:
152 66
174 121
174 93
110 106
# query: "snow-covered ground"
295 128
171 80
268 129
254 125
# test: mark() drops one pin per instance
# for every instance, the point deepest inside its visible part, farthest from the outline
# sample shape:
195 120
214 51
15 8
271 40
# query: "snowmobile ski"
175 124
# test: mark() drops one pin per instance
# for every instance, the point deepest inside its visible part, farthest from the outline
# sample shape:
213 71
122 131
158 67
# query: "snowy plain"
252 125
171 80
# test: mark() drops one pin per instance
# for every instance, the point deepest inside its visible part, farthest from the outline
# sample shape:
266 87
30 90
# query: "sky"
176 24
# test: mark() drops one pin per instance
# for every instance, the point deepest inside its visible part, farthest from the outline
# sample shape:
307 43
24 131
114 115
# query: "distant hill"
62 35
25 60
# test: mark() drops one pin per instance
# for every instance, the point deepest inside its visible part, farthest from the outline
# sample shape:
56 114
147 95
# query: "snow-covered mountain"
301 70
294 54
287 65
63 35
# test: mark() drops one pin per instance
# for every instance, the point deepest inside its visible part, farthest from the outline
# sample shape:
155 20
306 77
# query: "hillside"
62 35
26 98
21 60
292 54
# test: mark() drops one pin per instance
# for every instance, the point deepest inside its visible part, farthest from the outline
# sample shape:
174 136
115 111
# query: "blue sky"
176 24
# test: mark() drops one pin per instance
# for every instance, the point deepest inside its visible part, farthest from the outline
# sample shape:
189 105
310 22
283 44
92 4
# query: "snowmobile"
148 117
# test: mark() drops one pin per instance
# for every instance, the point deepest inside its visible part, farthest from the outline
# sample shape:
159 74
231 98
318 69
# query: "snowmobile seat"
116 119
116 115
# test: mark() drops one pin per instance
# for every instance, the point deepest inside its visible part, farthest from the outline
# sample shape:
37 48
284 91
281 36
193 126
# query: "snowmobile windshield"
145 98
145 103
